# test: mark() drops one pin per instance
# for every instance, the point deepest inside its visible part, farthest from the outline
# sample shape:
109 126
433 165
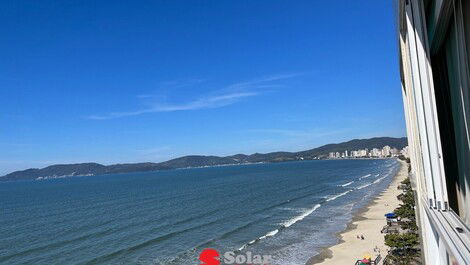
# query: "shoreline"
367 221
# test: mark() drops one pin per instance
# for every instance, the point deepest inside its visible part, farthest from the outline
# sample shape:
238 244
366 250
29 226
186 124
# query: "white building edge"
434 46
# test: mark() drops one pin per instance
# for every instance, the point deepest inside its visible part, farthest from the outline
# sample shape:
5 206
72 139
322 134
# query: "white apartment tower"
376 152
386 151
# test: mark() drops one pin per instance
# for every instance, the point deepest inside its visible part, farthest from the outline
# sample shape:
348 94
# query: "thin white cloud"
224 97
261 82
201 103
173 84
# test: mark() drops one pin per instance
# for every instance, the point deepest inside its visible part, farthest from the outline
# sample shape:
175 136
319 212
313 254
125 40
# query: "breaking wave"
270 234
365 176
285 225
301 217
347 184
337 196
378 180
363 186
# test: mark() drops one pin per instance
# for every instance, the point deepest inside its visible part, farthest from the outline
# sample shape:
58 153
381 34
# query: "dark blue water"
288 210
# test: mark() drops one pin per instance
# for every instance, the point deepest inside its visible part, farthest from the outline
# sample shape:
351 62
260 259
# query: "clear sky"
131 81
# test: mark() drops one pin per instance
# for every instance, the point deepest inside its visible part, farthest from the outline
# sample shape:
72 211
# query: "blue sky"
131 81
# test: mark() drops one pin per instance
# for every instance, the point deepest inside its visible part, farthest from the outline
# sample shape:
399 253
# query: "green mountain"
87 169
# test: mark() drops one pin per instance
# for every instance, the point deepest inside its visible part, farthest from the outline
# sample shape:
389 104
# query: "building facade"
434 47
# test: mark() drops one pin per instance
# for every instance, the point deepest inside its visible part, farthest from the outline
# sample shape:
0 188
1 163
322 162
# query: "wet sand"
367 222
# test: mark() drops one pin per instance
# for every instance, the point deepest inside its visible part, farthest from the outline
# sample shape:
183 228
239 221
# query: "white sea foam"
288 209
294 220
270 234
378 180
337 196
365 176
363 186
347 184
249 243
284 225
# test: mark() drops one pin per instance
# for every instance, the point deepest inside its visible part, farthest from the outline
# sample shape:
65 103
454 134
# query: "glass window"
450 71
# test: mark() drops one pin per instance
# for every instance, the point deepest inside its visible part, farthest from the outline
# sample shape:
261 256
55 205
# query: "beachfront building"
434 47
353 154
404 152
386 151
394 152
375 152
360 153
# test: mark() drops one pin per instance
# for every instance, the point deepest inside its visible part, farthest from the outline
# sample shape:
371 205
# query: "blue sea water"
288 210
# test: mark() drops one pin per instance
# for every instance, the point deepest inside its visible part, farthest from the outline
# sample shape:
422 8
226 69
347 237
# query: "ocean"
287 210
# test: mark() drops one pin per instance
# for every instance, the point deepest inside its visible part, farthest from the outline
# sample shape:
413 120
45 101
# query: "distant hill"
356 144
87 169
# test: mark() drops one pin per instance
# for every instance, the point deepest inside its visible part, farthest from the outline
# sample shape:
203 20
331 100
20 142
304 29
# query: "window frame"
449 234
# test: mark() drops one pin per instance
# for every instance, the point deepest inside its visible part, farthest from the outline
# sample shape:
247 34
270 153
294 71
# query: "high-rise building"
394 152
434 48
364 152
386 151
404 152
375 152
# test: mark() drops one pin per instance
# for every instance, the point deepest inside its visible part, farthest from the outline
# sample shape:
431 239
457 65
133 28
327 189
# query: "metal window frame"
446 223
417 177
425 104
418 105
439 223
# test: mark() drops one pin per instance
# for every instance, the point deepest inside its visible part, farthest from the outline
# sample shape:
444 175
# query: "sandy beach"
367 222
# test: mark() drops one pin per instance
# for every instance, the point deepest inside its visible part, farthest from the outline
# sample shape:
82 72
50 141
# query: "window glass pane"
459 90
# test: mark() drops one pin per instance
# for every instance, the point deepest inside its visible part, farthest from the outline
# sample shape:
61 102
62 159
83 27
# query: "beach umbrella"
390 215
365 261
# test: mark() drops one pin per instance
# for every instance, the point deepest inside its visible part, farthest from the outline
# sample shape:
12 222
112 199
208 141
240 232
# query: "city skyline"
386 151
